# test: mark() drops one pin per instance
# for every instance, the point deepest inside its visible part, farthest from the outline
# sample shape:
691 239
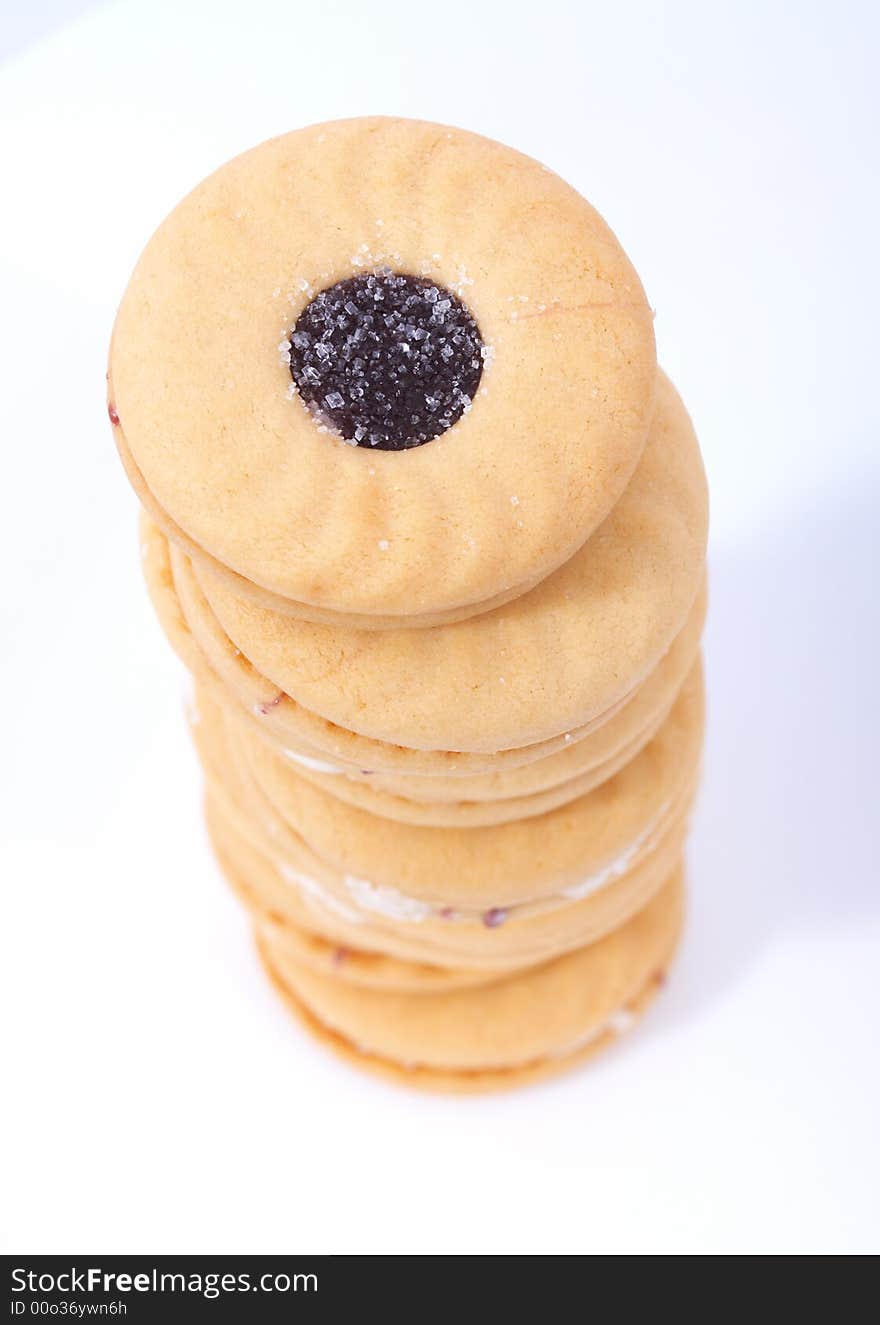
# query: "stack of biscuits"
427 525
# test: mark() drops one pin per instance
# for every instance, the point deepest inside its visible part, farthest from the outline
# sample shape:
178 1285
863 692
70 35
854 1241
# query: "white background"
158 1097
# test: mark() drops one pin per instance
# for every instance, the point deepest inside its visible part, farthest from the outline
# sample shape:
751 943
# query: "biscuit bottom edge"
470 1081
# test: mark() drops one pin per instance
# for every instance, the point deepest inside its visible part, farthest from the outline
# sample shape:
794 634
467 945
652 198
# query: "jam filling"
386 360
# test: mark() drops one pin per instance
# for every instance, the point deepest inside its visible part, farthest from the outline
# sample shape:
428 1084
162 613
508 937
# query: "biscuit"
646 821
556 659
409 806
509 793
313 948
364 794
475 870
463 240
419 776
512 1031
202 644
286 879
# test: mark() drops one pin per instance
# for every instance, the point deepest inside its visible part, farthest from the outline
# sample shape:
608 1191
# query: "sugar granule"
386 360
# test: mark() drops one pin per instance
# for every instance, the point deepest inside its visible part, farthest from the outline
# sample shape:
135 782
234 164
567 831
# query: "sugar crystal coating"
386 360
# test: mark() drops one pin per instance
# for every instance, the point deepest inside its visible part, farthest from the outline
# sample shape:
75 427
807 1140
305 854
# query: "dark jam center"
386 360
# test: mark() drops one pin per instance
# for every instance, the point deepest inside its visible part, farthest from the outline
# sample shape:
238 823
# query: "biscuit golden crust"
474 1081
234 464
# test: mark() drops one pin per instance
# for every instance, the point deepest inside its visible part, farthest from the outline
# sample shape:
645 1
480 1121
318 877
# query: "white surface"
159 1099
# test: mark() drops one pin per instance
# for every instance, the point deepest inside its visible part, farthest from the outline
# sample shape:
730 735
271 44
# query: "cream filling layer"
392 904
316 894
617 867
617 1024
306 761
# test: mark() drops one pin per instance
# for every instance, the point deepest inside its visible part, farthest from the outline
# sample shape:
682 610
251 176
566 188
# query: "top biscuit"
495 416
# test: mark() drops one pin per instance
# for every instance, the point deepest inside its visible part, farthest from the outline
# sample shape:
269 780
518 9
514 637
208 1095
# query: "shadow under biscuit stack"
427 525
